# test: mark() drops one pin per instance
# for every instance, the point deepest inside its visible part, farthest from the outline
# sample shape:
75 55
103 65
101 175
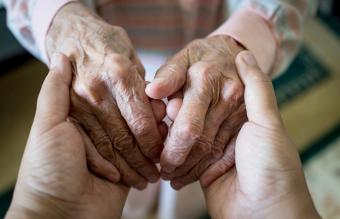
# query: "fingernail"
141 185
153 178
176 185
113 178
154 81
249 59
206 181
165 177
168 169
55 60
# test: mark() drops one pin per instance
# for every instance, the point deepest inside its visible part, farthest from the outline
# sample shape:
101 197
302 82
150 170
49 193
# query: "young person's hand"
267 180
54 181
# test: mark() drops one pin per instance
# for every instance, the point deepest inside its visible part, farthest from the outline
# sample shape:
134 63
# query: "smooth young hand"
267 180
54 181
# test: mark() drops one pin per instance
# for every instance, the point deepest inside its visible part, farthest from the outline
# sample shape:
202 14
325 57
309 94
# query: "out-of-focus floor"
312 115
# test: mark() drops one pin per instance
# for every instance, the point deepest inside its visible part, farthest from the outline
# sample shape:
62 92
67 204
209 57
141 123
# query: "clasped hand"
54 180
123 115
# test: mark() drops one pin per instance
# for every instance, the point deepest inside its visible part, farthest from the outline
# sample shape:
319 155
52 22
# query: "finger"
97 164
158 109
170 77
174 104
229 127
221 166
189 123
226 162
228 103
108 114
103 145
163 129
127 175
140 68
136 109
214 137
259 93
54 97
173 107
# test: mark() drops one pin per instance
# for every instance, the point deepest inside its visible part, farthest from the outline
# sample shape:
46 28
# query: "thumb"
259 94
54 97
169 78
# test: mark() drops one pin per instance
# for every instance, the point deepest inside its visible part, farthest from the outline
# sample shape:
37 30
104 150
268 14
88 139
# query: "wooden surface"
307 117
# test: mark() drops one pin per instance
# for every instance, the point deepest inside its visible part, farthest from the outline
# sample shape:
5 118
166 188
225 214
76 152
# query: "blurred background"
308 95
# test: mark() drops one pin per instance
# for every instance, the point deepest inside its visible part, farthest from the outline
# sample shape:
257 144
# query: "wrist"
228 43
252 31
297 205
72 27
28 205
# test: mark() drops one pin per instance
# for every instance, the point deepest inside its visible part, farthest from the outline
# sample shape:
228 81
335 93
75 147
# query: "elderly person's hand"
206 97
54 181
267 180
108 95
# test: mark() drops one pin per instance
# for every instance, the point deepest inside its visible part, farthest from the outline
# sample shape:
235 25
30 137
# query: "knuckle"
188 132
175 156
195 43
201 70
119 66
141 125
203 78
103 146
90 89
233 90
204 145
217 150
119 29
123 141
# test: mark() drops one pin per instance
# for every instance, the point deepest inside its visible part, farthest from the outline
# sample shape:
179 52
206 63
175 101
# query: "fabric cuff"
252 31
42 16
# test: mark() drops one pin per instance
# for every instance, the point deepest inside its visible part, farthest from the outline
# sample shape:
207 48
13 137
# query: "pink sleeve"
272 30
42 16
248 28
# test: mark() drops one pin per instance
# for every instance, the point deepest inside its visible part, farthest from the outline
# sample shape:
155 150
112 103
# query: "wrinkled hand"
206 103
108 97
54 181
267 180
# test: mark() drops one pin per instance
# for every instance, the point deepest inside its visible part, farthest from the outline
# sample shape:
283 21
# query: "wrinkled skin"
267 180
54 181
108 97
206 103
